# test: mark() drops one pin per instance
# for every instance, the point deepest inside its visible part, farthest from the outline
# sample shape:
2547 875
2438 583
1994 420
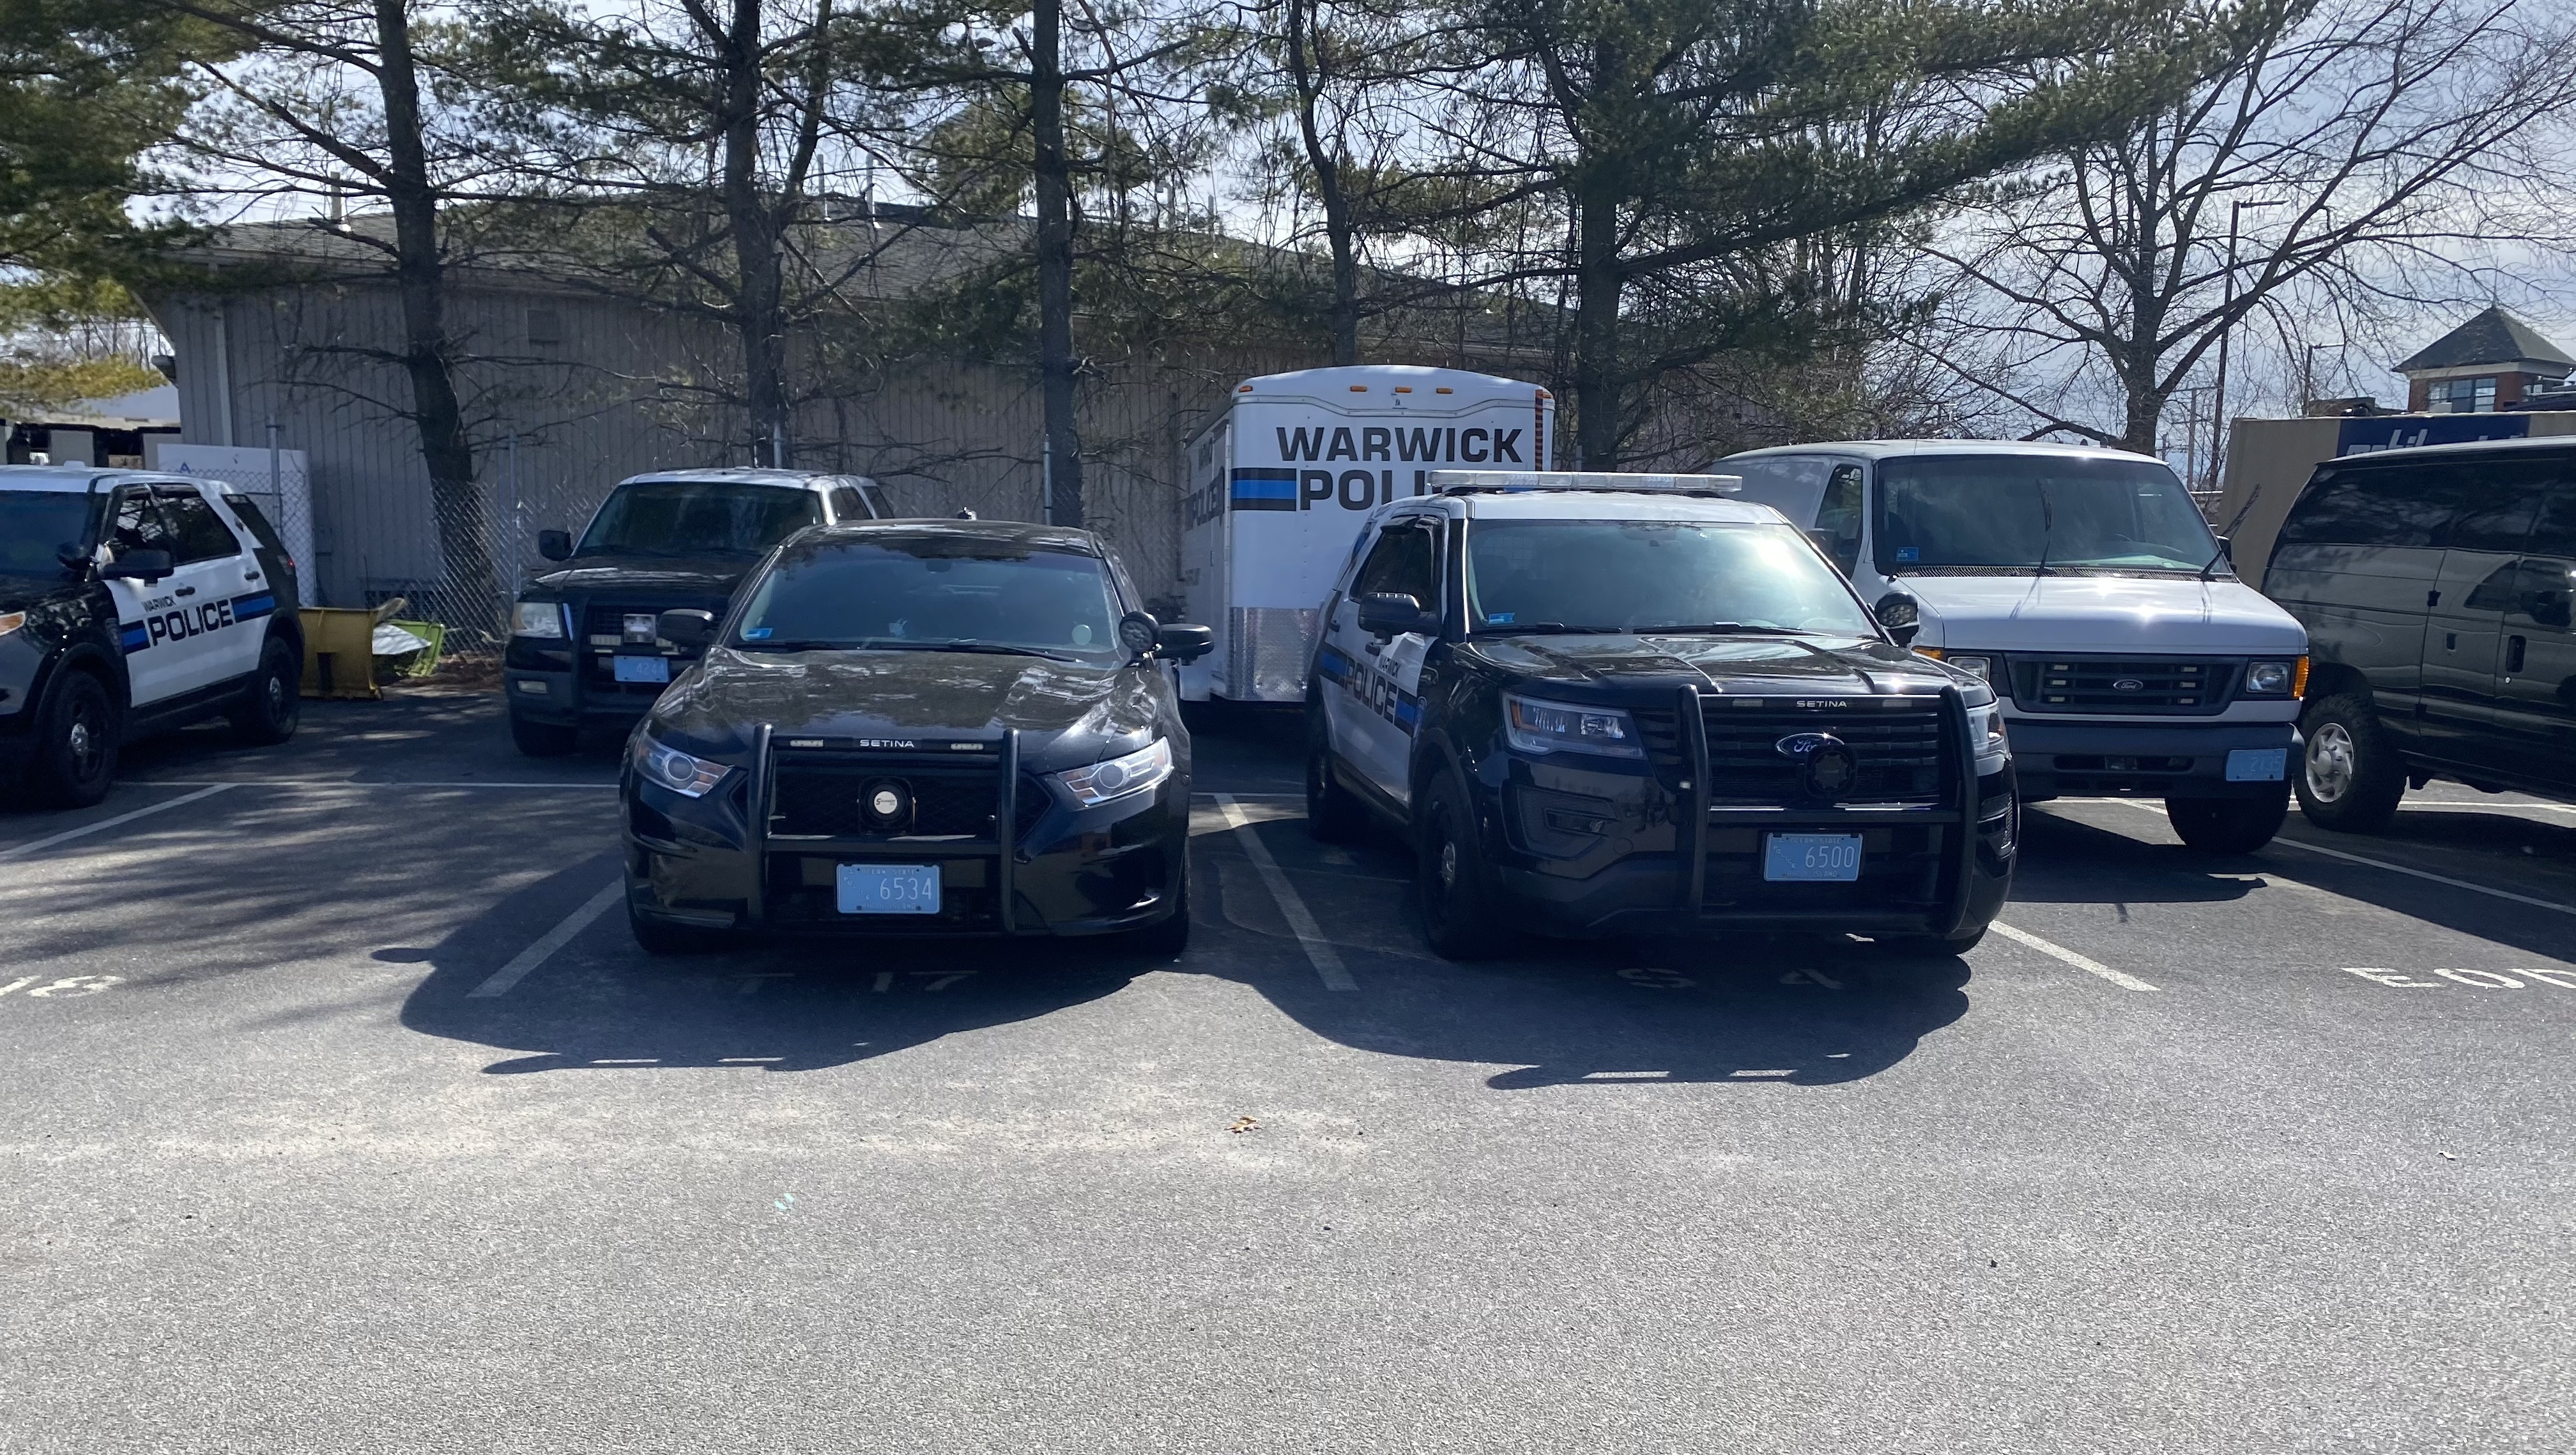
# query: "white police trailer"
1282 478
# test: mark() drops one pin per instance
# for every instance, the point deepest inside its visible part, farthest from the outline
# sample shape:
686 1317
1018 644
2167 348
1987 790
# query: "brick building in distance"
2486 364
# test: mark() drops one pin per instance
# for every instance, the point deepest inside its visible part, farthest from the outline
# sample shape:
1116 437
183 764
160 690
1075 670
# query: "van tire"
272 704
1454 886
72 762
2350 776
2228 825
543 739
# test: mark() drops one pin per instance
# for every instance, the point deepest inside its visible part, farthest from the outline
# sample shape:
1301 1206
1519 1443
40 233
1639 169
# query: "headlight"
2277 679
1118 777
11 621
1985 720
540 619
1981 668
1537 726
687 776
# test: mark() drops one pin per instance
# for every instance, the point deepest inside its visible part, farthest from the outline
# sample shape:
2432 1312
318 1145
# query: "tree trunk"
1598 283
1326 161
759 291
420 281
1056 362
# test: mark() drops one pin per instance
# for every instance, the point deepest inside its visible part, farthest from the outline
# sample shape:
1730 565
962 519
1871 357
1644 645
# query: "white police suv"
131 603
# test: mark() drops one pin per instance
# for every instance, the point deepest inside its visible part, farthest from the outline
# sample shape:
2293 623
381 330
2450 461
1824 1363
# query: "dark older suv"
2435 584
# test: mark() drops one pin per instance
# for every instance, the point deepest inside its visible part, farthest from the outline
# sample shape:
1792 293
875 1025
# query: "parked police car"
131 603
1602 708
583 651
918 727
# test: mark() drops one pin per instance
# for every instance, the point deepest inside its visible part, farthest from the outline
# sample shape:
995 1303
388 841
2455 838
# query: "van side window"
1838 518
137 526
846 504
202 534
1793 485
2497 500
2363 505
2554 533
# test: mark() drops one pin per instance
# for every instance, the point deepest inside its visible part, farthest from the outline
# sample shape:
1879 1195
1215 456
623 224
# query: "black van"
2435 584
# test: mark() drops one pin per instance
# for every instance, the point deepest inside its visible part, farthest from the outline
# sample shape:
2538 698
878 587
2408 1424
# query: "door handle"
2432 599
2513 650
250 575
185 591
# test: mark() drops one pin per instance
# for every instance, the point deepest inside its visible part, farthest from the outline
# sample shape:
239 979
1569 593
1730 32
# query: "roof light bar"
1452 482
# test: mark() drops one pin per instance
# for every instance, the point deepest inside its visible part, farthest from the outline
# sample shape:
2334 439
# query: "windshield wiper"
791 644
1536 628
1729 628
881 644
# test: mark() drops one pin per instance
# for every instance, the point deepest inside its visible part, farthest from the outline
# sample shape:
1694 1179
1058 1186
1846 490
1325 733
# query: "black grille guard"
1006 830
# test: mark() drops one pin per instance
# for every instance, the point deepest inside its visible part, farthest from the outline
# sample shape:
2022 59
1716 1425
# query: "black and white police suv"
131 603
583 649
1622 704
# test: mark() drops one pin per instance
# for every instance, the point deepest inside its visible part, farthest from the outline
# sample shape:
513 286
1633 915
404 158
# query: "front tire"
662 938
274 702
1333 814
2228 825
1454 885
73 761
1168 938
2350 776
543 739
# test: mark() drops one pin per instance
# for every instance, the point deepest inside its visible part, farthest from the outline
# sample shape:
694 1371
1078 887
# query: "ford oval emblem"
2128 684
1827 769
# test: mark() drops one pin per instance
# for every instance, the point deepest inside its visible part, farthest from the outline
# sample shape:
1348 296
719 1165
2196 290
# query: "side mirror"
1184 642
683 627
141 564
556 545
1383 614
74 559
1902 615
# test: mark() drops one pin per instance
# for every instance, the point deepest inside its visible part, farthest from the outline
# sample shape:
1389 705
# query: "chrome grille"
2166 686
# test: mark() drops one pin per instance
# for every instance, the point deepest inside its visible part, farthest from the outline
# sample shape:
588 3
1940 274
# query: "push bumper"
1051 871
2129 760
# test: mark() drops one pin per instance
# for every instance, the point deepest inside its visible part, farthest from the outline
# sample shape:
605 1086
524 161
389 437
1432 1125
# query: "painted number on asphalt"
37 987
933 979
2513 978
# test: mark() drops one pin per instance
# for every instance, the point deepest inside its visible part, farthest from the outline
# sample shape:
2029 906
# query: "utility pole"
2226 328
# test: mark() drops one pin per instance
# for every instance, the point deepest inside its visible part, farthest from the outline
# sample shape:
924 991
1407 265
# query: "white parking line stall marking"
1326 960
2120 978
554 939
66 836
2486 889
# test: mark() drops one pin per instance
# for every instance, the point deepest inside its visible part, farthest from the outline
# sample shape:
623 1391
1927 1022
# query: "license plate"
642 669
1828 857
2257 765
888 888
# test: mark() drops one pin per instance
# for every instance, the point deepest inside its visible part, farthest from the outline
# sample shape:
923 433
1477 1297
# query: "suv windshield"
35 525
2019 513
924 592
1648 575
698 517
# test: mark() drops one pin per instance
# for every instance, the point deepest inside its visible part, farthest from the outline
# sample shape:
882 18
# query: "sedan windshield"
2021 513
1650 575
35 526
896 592
697 517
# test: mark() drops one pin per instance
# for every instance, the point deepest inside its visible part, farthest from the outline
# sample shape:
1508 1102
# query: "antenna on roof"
966 515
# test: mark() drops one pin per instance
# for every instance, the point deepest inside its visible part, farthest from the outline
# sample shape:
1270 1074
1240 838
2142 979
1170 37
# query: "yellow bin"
339 652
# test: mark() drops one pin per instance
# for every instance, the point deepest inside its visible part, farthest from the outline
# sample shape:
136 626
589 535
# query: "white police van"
1285 475
131 603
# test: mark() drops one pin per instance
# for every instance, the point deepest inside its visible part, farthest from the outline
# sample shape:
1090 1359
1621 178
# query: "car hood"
19 592
682 576
2181 615
1067 711
1735 666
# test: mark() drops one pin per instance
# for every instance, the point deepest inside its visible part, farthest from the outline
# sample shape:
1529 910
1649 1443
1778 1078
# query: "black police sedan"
1610 711
917 728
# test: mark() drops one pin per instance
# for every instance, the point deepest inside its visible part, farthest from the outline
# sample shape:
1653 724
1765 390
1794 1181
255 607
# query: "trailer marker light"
1444 389
1359 389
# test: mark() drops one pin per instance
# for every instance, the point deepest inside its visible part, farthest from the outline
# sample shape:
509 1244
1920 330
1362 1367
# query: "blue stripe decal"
134 636
246 608
1332 665
1265 489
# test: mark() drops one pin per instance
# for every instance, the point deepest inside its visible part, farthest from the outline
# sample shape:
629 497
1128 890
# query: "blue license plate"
642 669
888 888
1832 858
2257 765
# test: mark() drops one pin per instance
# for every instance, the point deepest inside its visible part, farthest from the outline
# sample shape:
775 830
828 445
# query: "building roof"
2493 337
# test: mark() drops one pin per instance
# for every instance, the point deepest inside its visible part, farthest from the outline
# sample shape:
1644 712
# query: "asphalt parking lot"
343 1115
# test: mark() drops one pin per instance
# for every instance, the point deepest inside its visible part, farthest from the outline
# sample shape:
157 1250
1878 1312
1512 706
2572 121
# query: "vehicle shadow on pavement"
1806 1011
2068 861
780 1005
